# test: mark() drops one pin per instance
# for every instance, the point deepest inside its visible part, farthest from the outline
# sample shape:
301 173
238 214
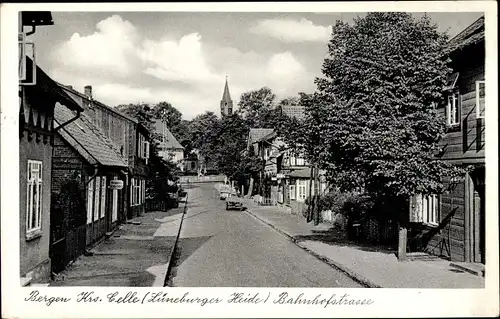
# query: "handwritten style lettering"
344 300
163 297
36 297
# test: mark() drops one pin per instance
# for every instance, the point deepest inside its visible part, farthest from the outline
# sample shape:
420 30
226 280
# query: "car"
224 194
234 202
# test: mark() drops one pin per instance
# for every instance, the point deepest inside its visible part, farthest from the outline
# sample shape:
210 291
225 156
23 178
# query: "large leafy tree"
160 171
168 113
257 108
382 81
143 112
374 113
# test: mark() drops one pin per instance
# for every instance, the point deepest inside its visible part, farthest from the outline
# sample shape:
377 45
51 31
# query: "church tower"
226 104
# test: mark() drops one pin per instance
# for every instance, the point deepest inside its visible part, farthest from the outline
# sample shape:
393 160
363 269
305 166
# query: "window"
97 197
300 161
103 197
114 211
140 145
425 209
292 192
34 197
480 102
430 209
301 189
135 192
90 201
453 109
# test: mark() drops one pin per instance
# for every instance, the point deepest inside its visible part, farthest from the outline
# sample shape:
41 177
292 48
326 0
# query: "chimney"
88 91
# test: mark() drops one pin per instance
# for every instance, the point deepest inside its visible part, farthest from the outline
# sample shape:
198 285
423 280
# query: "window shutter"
131 191
416 211
459 106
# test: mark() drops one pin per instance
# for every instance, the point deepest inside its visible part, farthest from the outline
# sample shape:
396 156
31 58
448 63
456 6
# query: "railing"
201 179
156 205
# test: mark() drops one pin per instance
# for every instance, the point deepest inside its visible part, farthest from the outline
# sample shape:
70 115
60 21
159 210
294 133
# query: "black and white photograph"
168 149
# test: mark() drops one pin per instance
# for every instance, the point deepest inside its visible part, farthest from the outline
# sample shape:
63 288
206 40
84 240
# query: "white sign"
116 184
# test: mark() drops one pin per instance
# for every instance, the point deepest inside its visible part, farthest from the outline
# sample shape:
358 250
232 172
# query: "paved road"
219 248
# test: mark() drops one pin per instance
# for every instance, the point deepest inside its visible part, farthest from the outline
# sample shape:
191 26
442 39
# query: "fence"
156 205
201 179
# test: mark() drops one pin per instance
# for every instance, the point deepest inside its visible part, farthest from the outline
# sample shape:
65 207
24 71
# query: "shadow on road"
185 248
338 238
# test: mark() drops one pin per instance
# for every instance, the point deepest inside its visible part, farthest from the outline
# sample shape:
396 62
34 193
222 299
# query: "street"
219 248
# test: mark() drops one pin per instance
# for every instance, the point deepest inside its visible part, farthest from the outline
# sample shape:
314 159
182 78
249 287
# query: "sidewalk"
137 254
374 267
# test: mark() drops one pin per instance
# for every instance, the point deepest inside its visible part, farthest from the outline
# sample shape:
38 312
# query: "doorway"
479 217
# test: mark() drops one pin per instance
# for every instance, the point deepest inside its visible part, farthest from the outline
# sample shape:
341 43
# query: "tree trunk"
250 188
316 196
310 207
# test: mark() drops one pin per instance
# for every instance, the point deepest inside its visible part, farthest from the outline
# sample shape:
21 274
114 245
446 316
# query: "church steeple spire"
226 104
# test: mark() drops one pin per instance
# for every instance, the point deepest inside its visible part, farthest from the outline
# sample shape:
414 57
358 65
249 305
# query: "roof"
474 33
226 96
169 142
87 139
256 134
111 109
45 86
304 173
297 111
269 136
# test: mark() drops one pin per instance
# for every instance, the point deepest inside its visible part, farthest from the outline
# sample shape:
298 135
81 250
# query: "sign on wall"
116 184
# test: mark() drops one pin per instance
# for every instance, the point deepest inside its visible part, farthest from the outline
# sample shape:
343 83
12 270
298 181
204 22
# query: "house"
131 139
139 171
87 187
452 224
168 147
196 164
38 95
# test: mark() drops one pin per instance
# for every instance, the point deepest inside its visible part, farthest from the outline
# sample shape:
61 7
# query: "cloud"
176 61
288 30
110 49
125 66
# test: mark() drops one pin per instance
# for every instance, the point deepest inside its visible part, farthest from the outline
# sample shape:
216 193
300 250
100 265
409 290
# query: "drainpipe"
33 30
94 175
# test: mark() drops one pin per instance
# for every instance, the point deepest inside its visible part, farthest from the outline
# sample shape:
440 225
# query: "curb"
351 274
172 253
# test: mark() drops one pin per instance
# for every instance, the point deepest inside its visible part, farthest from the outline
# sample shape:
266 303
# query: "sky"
184 58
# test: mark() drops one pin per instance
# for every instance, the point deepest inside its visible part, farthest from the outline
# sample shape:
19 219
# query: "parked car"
225 192
234 201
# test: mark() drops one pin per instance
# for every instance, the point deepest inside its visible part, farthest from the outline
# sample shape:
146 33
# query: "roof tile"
87 139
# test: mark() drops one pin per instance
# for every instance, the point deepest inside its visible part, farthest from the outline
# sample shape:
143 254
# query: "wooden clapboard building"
452 224
88 174
131 139
38 96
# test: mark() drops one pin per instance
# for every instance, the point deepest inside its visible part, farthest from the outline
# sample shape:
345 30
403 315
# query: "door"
114 207
477 221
